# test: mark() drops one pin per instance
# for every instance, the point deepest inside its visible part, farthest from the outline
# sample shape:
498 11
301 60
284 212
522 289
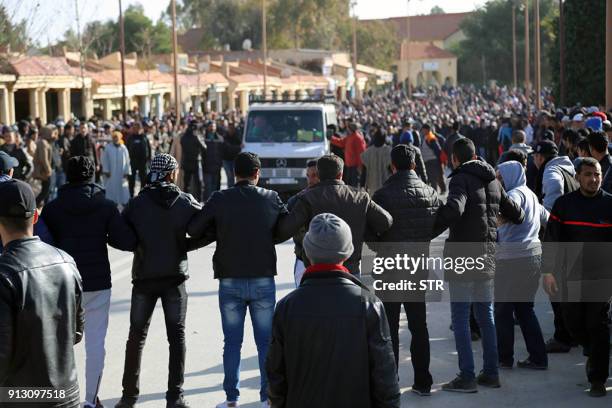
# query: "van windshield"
285 126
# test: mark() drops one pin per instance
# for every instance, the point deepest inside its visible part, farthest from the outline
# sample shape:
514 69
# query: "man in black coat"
450 141
333 196
474 202
160 216
139 148
83 144
40 305
193 152
413 205
10 147
211 169
245 271
231 148
82 222
330 337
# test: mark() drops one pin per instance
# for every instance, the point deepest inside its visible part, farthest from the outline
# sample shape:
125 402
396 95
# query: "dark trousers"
419 344
562 335
190 175
435 175
142 176
212 183
588 324
174 302
43 196
516 283
351 176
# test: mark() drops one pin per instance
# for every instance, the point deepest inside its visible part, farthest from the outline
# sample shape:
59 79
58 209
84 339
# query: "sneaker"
531 365
421 392
228 404
460 385
506 366
555 346
598 390
488 380
124 403
177 403
98 404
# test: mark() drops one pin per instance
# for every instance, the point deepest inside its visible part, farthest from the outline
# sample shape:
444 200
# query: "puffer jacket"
475 199
331 346
82 222
160 215
353 206
40 320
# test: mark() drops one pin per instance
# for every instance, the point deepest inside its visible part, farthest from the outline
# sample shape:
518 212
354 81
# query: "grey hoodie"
552 182
520 240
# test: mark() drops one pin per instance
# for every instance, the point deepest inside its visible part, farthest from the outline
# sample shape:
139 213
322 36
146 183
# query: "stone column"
219 101
63 99
33 102
244 101
159 105
42 110
107 108
5 111
87 103
145 105
11 104
231 100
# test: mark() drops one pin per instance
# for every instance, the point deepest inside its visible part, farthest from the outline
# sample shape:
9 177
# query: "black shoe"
125 403
555 346
598 390
422 392
488 380
531 365
177 403
460 385
506 366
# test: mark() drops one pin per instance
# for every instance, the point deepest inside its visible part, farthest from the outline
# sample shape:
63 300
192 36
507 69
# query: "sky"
49 19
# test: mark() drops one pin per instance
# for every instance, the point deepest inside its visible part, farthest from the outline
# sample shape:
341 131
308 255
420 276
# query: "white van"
286 135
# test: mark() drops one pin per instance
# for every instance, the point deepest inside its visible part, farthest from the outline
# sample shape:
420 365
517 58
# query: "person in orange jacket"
353 144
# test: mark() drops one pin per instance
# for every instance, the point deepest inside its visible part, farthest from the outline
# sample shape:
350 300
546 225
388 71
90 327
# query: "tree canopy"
13 36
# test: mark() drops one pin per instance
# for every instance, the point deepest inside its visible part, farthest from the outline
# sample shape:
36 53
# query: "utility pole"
122 52
527 55
81 61
608 54
538 69
175 59
264 36
561 54
354 28
514 66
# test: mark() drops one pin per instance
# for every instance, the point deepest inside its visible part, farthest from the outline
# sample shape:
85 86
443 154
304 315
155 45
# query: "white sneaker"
265 404
228 404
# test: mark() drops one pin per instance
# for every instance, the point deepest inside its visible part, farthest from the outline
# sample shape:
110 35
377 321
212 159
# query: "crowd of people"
519 180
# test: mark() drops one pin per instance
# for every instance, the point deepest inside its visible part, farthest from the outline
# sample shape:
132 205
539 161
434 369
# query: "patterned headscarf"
162 165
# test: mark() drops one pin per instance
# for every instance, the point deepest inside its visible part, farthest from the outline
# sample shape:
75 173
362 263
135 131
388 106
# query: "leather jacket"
40 319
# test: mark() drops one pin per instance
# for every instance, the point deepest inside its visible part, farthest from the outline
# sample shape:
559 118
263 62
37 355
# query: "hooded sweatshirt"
552 181
520 240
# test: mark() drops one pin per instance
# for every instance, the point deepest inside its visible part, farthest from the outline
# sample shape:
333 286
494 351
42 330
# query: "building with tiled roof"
424 56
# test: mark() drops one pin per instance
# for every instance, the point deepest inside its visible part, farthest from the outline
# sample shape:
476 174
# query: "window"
285 126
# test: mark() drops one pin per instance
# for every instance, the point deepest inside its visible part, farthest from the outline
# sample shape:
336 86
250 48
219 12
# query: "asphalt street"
563 385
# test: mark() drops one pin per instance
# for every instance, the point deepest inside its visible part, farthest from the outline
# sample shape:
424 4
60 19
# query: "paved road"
562 385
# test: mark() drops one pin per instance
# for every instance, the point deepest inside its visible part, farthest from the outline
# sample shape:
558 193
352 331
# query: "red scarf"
326 268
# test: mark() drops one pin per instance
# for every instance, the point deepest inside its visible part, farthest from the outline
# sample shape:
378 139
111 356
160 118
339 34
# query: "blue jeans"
228 166
461 295
235 295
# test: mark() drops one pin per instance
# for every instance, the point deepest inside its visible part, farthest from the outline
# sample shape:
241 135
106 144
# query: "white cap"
578 117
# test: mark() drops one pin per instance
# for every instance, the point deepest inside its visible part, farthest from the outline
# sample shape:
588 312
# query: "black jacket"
586 222
23 170
331 347
40 319
139 148
160 215
475 199
193 150
243 220
353 206
82 222
215 146
83 145
232 145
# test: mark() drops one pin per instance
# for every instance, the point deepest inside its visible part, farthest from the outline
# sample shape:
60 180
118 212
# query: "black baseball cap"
7 162
18 200
547 147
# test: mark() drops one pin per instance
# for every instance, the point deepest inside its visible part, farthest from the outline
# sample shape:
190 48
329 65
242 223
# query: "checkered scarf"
162 165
